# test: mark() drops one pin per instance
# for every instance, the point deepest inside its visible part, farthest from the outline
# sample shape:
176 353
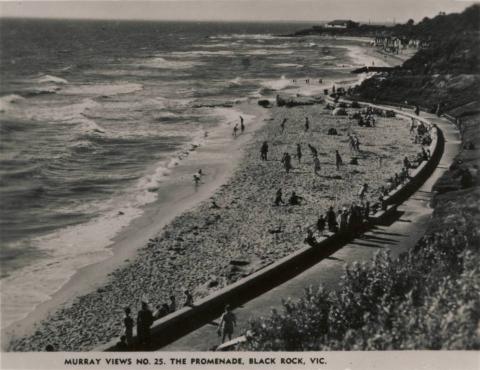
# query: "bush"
426 299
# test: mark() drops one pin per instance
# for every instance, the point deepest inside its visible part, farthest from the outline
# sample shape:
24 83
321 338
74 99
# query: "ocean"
94 115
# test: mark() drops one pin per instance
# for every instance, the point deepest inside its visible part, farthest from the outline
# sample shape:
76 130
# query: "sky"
235 10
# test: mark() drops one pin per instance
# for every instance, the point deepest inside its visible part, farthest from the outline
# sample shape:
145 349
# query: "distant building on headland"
343 24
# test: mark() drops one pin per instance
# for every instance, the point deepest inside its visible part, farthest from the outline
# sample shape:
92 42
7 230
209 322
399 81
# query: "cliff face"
447 72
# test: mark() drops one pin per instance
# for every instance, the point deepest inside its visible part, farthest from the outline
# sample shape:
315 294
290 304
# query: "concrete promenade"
408 227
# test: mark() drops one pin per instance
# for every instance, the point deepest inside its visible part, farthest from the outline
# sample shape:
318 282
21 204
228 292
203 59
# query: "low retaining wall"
187 319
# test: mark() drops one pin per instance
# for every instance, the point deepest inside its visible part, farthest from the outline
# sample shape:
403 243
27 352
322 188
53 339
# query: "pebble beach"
207 248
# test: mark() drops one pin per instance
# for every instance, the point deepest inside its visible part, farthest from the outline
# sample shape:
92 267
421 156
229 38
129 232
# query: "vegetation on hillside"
428 297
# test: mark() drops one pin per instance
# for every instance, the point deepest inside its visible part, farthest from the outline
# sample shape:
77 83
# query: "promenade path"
401 235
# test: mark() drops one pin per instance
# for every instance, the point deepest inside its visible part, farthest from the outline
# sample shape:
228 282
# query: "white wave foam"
7 101
102 89
278 84
201 53
51 79
245 36
162 63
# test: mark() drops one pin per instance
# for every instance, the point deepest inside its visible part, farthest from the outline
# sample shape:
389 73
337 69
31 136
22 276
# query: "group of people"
145 319
293 200
349 221
242 127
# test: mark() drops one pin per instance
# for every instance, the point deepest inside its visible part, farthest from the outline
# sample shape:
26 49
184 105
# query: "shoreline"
178 194
158 214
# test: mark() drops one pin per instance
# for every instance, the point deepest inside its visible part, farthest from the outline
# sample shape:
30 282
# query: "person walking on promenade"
242 125
307 124
299 153
144 322
128 322
338 160
316 166
228 321
412 126
264 151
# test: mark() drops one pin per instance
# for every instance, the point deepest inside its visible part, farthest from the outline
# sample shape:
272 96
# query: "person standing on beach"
356 143
299 153
242 126
316 166
363 190
331 220
264 151
282 125
307 124
278 197
144 322
287 162
313 150
173 304
235 130
128 322
228 321
338 160
188 299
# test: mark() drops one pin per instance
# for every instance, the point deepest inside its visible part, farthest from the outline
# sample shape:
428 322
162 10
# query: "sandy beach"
181 242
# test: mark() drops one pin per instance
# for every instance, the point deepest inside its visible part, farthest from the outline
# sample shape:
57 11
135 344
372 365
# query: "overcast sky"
235 10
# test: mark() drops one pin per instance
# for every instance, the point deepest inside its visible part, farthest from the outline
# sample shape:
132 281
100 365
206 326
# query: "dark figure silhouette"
338 160
264 151
295 199
278 197
128 322
332 220
299 153
144 322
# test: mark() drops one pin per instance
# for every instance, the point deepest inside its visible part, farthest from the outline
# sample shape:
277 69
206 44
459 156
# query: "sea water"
94 114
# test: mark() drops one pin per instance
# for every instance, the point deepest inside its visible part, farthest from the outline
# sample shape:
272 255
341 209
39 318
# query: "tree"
410 22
